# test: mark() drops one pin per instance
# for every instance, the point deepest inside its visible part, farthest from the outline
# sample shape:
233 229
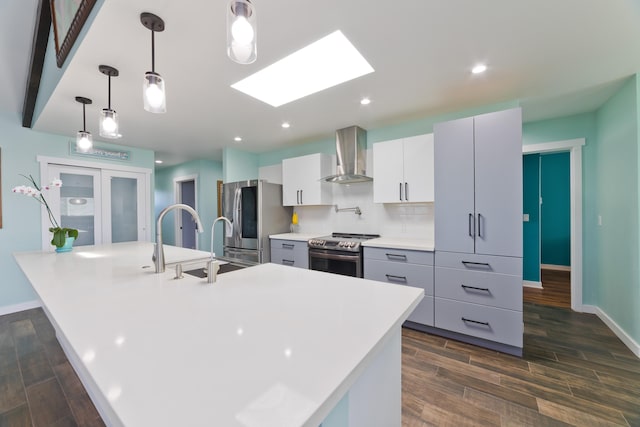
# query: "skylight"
323 64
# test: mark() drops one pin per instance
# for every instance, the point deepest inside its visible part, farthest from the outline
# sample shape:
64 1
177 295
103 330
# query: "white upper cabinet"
479 184
403 170
302 182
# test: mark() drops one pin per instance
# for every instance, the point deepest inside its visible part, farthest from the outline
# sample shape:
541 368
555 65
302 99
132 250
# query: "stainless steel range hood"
351 156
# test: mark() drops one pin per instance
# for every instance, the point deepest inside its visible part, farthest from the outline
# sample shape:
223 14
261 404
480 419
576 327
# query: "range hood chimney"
351 156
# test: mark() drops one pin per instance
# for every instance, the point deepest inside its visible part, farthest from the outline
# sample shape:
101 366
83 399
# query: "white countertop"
401 243
302 237
268 345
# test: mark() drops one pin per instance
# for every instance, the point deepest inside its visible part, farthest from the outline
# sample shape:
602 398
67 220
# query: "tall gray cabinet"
478 228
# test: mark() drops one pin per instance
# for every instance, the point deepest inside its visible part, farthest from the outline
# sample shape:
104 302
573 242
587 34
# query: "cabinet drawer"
399 255
490 323
497 290
288 245
486 263
418 276
294 253
423 313
294 258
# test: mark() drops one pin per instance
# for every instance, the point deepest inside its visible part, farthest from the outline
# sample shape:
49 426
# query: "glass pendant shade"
241 32
84 140
109 126
153 93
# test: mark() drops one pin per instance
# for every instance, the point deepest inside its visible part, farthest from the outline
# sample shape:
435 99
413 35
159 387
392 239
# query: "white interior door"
124 206
77 204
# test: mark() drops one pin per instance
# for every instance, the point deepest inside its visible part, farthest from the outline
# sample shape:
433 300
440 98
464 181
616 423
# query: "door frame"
574 147
45 161
177 198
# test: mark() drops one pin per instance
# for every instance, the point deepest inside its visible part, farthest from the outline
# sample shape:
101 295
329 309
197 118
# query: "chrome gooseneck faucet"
158 252
220 218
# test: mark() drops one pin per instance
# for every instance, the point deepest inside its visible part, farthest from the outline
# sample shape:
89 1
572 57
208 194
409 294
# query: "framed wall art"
67 18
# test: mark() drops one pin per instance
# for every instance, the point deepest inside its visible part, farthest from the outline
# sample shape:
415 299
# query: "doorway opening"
574 148
186 229
547 229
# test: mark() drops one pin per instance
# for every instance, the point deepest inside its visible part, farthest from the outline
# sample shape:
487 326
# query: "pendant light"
84 141
241 32
109 118
153 86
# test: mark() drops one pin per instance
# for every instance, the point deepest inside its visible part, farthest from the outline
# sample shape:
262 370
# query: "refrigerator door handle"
237 203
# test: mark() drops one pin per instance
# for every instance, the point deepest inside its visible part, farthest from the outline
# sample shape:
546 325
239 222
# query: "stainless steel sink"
224 268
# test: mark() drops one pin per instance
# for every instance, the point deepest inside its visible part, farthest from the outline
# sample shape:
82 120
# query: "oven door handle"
338 257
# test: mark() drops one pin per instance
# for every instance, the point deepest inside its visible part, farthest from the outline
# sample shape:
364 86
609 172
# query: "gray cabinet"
293 253
404 267
478 184
478 227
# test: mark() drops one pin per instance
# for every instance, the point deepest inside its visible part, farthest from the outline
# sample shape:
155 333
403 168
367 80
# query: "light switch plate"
525 217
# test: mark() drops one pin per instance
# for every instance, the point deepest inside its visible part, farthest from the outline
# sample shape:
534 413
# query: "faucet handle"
178 271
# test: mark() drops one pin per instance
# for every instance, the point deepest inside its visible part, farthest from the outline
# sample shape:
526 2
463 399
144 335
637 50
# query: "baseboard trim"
620 333
555 267
20 307
531 284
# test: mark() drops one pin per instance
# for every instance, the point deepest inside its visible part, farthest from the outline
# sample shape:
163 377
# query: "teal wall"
572 127
617 203
610 187
531 229
239 165
208 172
410 128
555 189
20 215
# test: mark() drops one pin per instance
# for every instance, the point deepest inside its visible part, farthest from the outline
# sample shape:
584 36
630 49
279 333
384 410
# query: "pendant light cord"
84 117
153 52
109 91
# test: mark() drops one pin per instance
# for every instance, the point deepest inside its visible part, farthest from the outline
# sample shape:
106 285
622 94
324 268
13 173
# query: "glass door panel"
124 209
78 204
124 206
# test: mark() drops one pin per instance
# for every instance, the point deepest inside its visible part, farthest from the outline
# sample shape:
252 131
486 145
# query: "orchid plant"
59 234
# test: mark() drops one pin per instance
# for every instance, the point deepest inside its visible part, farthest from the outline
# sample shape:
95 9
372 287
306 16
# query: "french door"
105 206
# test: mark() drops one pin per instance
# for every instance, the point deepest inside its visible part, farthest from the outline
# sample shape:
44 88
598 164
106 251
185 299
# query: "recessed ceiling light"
237 139
325 63
365 101
286 125
158 161
479 68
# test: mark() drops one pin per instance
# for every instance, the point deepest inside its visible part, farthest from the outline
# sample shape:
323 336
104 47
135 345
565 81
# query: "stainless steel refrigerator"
255 211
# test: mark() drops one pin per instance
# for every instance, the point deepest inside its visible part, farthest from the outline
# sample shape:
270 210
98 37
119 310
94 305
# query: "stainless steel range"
340 253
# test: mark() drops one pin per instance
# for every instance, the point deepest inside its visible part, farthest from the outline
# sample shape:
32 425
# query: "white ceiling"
556 57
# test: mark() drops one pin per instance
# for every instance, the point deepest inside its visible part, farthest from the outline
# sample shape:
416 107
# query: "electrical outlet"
525 217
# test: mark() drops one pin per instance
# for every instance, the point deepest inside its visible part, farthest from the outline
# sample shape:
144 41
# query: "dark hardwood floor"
574 371
556 289
38 386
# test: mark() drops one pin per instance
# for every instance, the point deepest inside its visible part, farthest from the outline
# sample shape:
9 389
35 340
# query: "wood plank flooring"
556 289
574 371
38 386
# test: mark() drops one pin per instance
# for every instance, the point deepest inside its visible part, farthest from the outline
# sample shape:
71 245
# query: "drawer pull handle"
397 256
475 321
288 261
476 264
475 289
287 246
393 278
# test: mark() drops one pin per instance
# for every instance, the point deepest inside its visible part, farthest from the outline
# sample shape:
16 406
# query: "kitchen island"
264 346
